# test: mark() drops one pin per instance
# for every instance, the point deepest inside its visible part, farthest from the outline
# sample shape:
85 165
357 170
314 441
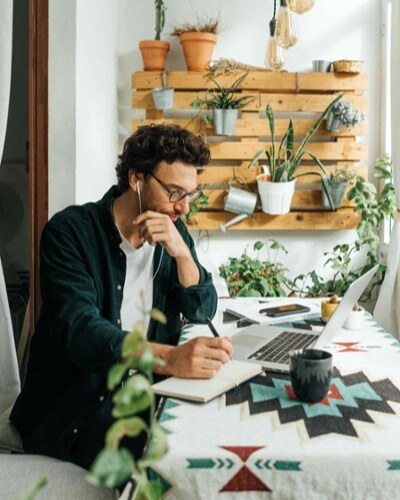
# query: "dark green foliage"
247 277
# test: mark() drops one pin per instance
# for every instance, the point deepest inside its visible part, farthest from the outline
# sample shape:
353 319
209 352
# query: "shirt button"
118 321
101 398
75 431
119 287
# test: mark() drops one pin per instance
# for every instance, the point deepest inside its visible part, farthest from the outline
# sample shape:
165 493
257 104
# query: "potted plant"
225 105
342 114
276 185
355 318
336 183
163 97
154 52
198 41
372 210
247 277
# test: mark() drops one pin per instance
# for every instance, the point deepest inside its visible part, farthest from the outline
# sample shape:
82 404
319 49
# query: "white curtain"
9 376
387 309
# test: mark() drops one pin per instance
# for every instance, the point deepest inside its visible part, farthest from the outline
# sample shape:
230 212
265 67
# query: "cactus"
160 17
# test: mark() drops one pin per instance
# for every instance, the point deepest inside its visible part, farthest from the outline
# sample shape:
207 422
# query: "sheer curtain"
387 309
9 376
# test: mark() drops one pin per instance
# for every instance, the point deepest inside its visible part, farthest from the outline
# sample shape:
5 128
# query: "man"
102 264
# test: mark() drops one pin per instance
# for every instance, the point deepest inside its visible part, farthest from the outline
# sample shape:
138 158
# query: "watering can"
239 202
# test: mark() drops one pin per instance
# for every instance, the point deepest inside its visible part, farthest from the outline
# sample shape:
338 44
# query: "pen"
213 330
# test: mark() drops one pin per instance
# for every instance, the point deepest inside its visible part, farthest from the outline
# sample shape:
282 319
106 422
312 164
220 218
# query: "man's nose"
182 206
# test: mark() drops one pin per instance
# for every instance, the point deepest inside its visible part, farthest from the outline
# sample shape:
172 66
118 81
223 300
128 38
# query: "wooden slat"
343 218
261 80
302 198
253 126
324 151
222 174
142 99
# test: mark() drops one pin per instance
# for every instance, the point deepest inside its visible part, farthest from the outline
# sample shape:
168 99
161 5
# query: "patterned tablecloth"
259 441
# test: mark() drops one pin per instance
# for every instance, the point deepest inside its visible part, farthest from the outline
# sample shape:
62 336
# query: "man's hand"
198 358
155 227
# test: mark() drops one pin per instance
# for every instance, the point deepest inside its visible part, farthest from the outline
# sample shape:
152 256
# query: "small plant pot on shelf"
163 98
198 48
336 190
225 121
354 320
276 197
154 54
333 124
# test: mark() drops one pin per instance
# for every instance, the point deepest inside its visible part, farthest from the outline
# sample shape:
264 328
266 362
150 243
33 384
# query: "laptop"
270 346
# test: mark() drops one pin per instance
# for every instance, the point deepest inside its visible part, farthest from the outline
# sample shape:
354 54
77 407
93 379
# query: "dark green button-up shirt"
78 335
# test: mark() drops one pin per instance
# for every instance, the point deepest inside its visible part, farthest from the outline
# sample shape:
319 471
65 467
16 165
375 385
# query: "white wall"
331 30
82 100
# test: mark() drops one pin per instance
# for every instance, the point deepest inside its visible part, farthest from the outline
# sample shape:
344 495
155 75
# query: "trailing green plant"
373 210
201 203
252 277
160 17
114 466
283 162
222 98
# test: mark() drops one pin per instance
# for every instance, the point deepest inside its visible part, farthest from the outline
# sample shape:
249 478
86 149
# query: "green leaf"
130 427
133 397
258 245
150 491
40 484
133 342
256 157
112 468
157 446
157 315
115 375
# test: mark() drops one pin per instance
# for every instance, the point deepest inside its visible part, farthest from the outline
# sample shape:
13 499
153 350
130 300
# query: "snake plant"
284 161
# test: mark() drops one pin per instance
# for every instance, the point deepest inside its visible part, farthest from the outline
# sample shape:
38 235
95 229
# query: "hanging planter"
163 97
335 184
225 121
276 197
225 105
342 114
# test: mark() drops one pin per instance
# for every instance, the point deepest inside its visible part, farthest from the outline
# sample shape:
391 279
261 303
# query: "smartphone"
285 310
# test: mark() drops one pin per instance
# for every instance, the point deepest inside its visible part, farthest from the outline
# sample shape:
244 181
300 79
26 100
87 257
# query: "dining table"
260 441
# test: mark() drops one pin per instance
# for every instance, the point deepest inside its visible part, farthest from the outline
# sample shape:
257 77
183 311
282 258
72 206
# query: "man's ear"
134 179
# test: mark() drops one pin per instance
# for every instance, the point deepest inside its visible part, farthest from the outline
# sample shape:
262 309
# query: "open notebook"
228 377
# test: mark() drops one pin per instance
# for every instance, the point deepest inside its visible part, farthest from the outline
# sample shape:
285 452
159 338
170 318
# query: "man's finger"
220 343
149 214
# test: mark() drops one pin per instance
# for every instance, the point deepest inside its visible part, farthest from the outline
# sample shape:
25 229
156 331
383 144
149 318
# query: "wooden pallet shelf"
297 94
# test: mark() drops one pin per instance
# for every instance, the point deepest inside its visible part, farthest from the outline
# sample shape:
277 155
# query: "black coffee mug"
311 374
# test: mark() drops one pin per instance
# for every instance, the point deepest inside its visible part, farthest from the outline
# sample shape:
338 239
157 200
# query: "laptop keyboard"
277 351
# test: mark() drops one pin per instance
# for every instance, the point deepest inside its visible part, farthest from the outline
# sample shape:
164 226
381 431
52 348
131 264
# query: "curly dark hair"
151 144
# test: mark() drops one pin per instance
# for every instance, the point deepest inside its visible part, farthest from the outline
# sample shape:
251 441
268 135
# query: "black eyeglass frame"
178 195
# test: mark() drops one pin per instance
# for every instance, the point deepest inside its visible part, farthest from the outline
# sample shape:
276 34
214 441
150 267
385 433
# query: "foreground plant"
247 277
114 466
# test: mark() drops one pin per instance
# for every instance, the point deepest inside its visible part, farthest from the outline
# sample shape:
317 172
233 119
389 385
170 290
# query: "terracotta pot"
198 49
154 54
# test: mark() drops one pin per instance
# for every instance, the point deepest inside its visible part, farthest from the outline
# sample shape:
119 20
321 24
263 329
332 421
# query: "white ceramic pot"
354 320
276 197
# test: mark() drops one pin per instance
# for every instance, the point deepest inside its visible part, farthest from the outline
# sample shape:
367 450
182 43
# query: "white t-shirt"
138 279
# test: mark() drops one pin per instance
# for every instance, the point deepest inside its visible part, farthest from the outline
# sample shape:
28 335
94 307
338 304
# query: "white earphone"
139 196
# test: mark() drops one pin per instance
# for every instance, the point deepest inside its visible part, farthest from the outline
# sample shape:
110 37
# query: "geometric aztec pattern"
349 398
244 479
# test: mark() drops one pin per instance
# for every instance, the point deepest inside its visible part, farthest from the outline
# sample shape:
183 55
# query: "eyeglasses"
178 194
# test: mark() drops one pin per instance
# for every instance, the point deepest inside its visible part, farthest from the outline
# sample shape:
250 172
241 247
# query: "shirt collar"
104 206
